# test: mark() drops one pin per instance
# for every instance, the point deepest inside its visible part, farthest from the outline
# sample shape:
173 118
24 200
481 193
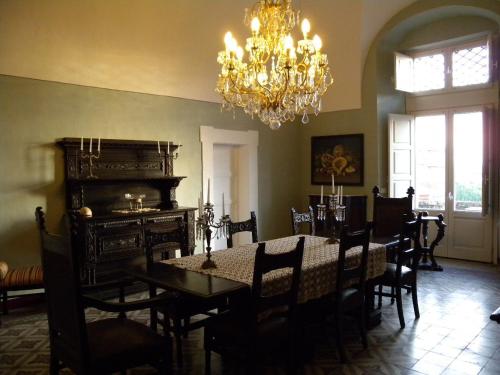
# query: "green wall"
33 114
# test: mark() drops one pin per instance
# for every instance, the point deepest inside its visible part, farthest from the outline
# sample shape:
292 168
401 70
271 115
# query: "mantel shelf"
125 178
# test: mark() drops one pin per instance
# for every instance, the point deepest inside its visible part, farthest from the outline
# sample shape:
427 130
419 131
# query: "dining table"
232 277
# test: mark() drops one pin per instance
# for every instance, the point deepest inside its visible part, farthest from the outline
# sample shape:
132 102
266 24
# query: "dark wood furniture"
355 213
351 286
113 237
249 225
303 218
99 347
181 308
428 250
388 213
194 284
402 272
269 324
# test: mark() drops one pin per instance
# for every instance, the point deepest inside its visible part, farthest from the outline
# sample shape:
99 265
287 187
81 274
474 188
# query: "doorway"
229 159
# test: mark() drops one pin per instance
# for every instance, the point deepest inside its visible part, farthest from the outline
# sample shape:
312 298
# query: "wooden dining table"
234 272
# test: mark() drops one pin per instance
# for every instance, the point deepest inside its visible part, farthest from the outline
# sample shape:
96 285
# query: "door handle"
450 196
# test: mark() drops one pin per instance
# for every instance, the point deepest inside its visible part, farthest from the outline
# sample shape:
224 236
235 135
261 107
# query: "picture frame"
342 155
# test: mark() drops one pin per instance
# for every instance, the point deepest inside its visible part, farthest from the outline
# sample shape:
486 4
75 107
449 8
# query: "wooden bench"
23 278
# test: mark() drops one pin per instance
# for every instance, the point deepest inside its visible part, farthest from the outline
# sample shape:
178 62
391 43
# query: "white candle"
333 184
90 145
158 143
200 210
321 202
223 209
168 147
208 191
81 144
341 194
99 145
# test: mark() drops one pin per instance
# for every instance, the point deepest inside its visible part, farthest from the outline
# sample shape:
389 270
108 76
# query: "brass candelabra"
204 224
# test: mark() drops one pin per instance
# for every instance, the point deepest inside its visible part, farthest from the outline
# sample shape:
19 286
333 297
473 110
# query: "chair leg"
178 340
54 365
415 300
4 304
399 302
392 298
380 289
362 325
153 319
338 336
208 357
187 322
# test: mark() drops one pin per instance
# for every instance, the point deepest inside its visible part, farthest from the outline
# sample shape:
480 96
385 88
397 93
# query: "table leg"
429 250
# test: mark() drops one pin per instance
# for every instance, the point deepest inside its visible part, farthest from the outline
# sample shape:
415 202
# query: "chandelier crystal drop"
278 80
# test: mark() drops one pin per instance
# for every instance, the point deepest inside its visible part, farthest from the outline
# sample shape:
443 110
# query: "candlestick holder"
90 157
170 159
337 211
204 224
321 212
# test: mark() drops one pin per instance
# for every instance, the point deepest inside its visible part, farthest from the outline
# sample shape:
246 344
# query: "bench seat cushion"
23 278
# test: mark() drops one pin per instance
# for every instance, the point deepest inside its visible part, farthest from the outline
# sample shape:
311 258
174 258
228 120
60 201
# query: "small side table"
428 261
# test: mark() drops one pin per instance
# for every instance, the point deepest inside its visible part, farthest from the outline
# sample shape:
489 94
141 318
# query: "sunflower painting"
341 155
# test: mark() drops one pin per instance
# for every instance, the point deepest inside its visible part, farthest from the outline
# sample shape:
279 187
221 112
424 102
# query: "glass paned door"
468 161
430 162
449 180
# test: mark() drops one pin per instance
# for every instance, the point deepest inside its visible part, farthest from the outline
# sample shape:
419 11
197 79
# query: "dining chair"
300 218
350 289
164 240
403 273
269 323
99 347
388 213
249 225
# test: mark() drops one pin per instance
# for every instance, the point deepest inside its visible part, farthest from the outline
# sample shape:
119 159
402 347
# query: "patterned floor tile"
453 335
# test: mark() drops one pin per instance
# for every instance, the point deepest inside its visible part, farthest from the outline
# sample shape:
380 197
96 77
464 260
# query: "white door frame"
248 141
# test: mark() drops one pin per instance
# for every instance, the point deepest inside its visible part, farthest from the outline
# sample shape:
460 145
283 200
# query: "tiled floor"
453 336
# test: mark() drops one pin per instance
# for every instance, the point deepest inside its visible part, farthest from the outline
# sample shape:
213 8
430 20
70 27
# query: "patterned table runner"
319 266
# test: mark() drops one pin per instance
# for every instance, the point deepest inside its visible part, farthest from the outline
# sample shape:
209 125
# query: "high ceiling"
170 47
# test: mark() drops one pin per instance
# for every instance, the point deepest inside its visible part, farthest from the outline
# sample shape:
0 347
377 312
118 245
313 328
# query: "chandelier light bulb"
228 37
288 42
239 53
255 25
306 27
317 42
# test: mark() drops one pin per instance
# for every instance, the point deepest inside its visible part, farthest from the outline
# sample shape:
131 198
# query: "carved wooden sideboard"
113 237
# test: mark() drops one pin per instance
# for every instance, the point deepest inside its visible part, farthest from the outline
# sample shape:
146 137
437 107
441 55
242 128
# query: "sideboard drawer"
117 243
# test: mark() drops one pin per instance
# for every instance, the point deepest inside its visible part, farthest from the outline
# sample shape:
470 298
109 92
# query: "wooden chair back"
300 218
388 212
65 308
265 263
168 238
249 225
348 272
409 248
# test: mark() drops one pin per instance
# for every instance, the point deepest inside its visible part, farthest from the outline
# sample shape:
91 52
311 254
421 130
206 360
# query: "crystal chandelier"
279 80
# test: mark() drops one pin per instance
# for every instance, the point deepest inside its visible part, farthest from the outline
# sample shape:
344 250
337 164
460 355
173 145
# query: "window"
447 69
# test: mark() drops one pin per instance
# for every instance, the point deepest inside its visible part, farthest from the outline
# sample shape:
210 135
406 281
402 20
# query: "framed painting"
340 155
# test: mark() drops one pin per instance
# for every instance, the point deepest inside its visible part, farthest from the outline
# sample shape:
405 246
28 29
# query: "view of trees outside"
468 160
430 145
